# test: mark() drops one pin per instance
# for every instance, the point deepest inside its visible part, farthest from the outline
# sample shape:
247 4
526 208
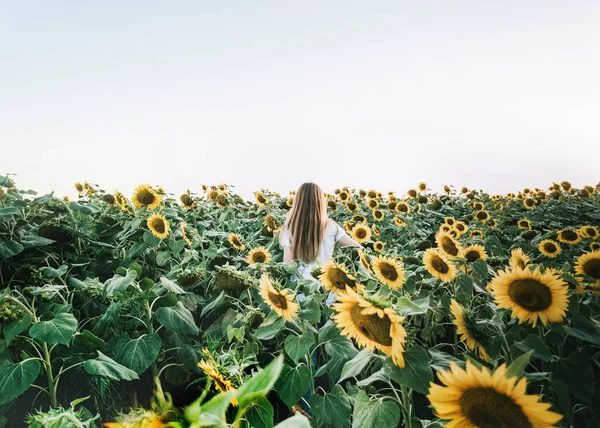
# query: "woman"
308 234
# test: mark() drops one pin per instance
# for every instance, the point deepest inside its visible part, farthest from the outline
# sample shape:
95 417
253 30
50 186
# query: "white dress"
333 233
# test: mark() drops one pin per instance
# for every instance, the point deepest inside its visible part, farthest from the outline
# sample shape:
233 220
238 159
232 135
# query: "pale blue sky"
273 93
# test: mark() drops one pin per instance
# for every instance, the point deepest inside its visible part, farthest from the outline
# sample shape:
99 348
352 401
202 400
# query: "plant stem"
52 385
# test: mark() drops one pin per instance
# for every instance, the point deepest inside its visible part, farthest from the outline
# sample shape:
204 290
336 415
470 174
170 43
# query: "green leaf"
211 413
162 257
120 283
311 311
15 379
8 211
416 373
177 246
216 303
177 318
518 365
105 366
533 343
356 365
576 371
296 421
260 384
269 327
260 414
374 413
94 340
150 239
584 328
171 286
480 267
298 346
441 360
137 354
378 376
341 347
29 240
293 383
54 273
14 328
60 329
333 407
9 249
408 307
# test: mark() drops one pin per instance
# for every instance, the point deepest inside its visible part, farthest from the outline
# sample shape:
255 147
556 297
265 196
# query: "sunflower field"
160 310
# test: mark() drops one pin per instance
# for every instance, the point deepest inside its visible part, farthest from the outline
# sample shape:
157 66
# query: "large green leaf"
356 365
177 318
296 421
414 307
533 343
517 367
260 414
171 286
119 283
211 413
293 383
333 407
416 373
8 211
105 366
13 328
15 379
137 354
260 384
587 329
298 346
269 328
576 371
60 329
374 413
9 249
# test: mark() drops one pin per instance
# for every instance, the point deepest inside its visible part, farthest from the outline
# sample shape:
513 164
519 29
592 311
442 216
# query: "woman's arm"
288 255
346 240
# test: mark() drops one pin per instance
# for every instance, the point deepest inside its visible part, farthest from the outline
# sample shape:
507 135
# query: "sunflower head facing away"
236 241
146 196
518 259
335 277
438 265
448 245
465 327
569 236
389 271
259 255
588 264
281 301
373 324
158 225
475 397
361 233
549 248
531 295
219 376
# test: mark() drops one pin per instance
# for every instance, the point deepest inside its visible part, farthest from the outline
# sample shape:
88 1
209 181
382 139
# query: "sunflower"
482 215
460 227
343 196
402 207
145 196
476 233
518 259
475 397
335 277
378 246
389 271
259 255
569 236
530 295
88 188
359 218
448 245
271 224
378 215
282 302
462 321
109 199
361 233
445 228
412 193
478 206
158 225
121 200
372 203
474 252
212 194
331 204
464 190
183 226
549 248
422 186
236 241
348 225
79 187
138 420
566 185
376 231
364 260
373 324
529 203
595 246
492 223
524 224
187 201
447 189
453 233
589 264
222 201
449 221
399 222
259 198
391 205
223 384
352 206
589 232
438 265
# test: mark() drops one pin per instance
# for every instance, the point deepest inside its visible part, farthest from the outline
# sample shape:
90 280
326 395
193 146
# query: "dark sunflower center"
339 279
261 199
388 271
158 225
460 227
259 257
375 328
529 202
487 408
440 265
569 235
145 197
472 255
449 247
482 215
378 214
549 247
403 207
530 294
361 233
278 300
592 268
591 232
220 383
524 224
520 262
236 241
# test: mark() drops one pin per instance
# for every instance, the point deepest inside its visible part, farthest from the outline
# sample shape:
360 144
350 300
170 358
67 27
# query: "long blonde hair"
306 222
